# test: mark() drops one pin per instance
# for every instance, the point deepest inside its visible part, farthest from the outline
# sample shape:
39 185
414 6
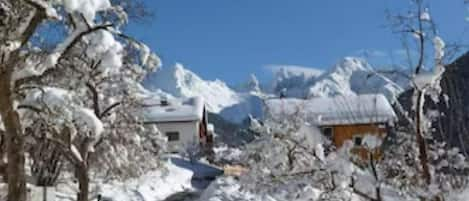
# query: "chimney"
164 102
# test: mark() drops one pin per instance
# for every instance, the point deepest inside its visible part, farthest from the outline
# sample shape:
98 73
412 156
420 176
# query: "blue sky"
229 39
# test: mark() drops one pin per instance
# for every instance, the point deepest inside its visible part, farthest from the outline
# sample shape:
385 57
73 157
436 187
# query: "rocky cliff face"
452 125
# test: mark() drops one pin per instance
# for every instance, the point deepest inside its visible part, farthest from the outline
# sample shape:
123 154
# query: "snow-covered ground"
227 154
176 176
151 186
228 189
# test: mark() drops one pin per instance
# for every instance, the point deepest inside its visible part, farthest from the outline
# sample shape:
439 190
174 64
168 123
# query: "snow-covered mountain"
180 82
252 85
350 76
293 80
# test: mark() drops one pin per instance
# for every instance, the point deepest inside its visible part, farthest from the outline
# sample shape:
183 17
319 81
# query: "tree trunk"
422 145
375 175
3 173
3 165
82 172
14 142
83 183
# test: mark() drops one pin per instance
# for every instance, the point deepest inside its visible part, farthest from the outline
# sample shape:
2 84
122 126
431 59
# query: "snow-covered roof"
339 110
154 110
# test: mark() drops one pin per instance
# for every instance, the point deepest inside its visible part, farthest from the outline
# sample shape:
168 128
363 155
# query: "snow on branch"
88 8
147 58
425 15
59 108
439 46
86 117
103 47
32 73
45 7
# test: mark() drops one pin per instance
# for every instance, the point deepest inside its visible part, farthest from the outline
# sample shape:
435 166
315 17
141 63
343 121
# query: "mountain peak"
351 76
183 83
178 66
293 79
286 71
348 65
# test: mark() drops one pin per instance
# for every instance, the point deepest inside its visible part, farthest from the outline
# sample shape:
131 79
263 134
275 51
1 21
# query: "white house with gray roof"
183 122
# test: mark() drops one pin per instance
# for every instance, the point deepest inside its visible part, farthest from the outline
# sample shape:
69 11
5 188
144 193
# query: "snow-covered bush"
400 168
192 151
287 162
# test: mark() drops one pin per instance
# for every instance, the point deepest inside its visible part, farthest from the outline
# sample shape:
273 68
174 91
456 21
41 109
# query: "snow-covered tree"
77 89
414 150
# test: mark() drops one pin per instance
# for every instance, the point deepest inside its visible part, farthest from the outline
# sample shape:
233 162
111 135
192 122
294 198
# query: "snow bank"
228 189
154 186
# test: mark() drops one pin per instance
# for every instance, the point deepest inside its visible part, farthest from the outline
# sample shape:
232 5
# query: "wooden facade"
339 134
340 118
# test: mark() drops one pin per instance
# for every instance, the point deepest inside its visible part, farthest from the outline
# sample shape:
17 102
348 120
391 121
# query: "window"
172 136
357 140
327 131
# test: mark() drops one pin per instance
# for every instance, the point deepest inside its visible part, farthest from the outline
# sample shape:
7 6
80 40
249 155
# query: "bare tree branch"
30 107
108 109
95 98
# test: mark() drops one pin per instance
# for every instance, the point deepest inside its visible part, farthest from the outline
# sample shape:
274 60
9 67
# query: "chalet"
183 122
340 118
